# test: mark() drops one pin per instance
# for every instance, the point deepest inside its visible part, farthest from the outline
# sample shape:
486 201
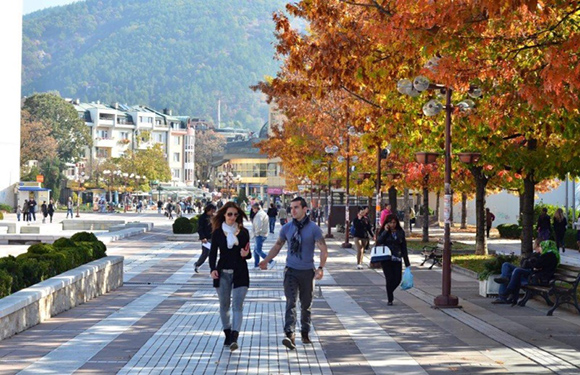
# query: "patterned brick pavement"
165 320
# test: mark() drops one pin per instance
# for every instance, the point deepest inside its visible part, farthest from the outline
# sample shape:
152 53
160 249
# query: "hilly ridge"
178 54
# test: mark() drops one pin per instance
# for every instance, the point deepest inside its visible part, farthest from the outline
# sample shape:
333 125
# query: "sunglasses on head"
232 214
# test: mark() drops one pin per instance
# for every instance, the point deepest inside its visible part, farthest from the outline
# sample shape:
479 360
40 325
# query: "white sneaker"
359 266
272 264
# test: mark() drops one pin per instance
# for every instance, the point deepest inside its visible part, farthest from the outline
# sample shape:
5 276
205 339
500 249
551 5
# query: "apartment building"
117 128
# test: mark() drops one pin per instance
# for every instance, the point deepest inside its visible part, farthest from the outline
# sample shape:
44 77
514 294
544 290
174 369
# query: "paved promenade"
165 320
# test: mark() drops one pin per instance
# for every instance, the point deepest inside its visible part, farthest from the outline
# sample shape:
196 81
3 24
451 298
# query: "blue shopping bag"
407 282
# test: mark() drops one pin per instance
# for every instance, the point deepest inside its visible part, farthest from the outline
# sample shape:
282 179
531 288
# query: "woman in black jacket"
230 274
362 232
392 235
204 230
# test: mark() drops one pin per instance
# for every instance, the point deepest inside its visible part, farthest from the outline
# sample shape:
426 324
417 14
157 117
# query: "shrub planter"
39 302
489 288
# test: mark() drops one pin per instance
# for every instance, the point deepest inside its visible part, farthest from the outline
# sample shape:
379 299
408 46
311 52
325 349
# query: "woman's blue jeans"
229 295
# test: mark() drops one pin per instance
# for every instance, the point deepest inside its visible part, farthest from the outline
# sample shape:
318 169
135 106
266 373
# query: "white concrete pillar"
11 29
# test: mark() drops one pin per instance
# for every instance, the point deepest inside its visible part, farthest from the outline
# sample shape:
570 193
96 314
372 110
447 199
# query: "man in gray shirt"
302 235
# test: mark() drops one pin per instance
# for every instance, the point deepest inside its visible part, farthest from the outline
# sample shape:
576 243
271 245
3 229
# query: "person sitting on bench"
539 269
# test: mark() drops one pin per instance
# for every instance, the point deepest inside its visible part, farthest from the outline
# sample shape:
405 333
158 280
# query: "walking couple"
231 275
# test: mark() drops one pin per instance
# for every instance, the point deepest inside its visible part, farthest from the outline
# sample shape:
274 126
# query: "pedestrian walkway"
165 320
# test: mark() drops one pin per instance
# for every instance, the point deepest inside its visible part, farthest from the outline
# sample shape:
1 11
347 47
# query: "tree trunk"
407 218
425 209
463 211
393 199
528 214
481 181
438 200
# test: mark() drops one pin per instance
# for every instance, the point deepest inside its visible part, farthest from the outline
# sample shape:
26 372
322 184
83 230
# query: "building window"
160 138
176 156
177 141
102 152
176 173
124 135
104 134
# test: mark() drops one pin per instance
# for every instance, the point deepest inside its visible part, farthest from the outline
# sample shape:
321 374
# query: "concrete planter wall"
33 305
488 288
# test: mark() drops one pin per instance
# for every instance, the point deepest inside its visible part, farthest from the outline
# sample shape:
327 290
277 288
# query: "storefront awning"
32 188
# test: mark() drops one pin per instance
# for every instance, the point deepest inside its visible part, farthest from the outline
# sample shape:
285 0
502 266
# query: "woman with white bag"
392 235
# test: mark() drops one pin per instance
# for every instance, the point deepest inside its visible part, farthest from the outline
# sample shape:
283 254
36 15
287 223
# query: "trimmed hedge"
43 261
195 222
509 231
182 225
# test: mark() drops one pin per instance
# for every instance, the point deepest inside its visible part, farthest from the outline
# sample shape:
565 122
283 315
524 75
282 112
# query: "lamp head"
421 83
432 108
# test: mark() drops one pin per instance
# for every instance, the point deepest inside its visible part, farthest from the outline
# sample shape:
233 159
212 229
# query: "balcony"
106 122
104 142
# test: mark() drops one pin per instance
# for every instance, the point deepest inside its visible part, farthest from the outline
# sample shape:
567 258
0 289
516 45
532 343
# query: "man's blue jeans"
518 277
258 252
272 224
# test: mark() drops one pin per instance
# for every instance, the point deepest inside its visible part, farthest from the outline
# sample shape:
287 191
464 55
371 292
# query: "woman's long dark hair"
220 216
390 218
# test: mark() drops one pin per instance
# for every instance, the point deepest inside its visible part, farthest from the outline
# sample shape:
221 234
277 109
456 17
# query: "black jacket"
545 268
204 227
230 258
560 226
362 227
272 212
544 222
396 242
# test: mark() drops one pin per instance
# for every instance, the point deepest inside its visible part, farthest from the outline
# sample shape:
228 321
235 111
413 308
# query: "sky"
30 6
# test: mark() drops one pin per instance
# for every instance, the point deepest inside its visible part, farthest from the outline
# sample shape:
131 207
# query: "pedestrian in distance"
44 210
25 208
489 218
283 216
50 209
384 213
18 212
260 227
230 274
159 206
544 225
272 215
32 209
362 231
204 231
302 235
69 208
393 236
560 226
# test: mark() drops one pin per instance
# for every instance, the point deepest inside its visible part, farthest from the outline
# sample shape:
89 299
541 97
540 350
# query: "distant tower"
189 156
11 28
219 114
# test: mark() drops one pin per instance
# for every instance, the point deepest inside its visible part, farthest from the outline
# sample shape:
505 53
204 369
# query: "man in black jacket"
204 231
272 215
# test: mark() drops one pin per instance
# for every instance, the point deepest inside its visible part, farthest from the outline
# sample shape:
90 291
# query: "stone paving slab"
165 320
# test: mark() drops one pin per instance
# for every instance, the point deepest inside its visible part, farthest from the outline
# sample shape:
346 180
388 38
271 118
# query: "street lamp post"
432 108
80 178
330 151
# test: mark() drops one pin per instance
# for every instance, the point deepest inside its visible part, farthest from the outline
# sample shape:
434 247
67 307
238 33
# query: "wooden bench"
563 287
433 253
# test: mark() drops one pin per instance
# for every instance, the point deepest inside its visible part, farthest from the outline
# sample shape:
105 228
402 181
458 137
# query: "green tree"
207 144
150 162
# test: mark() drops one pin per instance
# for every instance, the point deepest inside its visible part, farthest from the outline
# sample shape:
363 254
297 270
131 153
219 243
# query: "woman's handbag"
380 253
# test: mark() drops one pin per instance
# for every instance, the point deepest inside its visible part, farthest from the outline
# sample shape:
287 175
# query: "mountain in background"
178 54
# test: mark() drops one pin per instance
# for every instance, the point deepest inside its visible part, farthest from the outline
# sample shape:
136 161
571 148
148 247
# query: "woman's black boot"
234 344
228 340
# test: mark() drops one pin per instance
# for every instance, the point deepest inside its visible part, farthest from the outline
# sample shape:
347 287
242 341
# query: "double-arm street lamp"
432 108
330 151
80 179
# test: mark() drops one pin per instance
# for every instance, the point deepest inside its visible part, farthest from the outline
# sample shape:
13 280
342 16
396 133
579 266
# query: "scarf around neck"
296 240
549 246
230 232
